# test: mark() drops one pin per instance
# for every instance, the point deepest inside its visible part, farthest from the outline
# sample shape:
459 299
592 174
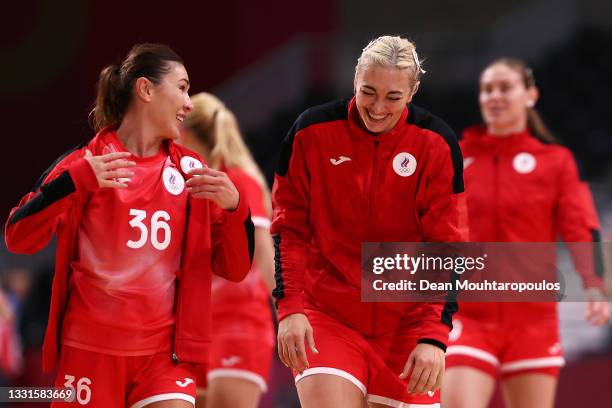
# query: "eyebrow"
374 89
186 80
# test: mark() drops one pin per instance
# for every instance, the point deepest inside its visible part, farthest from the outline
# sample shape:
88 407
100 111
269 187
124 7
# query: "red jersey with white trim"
242 310
336 186
128 254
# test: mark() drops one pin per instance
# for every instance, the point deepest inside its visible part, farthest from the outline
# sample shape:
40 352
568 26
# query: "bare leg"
174 403
532 390
466 387
329 391
228 392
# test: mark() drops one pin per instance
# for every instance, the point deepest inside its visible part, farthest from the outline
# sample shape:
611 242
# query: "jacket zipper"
496 182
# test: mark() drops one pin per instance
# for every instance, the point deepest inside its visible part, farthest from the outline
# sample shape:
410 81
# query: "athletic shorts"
102 380
248 359
506 348
372 364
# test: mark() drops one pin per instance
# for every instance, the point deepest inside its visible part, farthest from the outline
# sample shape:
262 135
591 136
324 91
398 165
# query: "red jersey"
128 265
337 186
67 200
241 310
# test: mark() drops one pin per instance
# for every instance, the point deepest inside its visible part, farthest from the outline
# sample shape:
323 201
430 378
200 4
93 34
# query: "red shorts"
102 380
505 347
242 345
240 358
372 364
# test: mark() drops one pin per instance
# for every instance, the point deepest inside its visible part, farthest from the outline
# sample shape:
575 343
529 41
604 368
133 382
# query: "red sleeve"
32 223
576 220
233 241
290 227
443 215
252 193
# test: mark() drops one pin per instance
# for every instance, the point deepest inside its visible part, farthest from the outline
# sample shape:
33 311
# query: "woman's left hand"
213 185
597 307
425 366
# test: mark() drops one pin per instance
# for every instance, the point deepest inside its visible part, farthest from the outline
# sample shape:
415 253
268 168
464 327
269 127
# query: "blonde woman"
243 331
375 168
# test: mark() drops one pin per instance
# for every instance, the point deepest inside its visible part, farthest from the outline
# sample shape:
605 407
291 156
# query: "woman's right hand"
111 168
293 331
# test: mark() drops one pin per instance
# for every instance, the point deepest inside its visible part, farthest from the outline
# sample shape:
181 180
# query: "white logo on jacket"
339 160
524 163
190 163
404 164
173 181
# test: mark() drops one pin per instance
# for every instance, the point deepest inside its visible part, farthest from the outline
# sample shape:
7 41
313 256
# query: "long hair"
216 127
115 83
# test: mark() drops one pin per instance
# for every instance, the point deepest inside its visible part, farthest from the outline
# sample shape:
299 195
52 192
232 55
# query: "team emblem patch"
190 163
173 181
404 164
524 163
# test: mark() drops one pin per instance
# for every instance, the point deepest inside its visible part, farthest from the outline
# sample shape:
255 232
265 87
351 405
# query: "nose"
188 105
378 106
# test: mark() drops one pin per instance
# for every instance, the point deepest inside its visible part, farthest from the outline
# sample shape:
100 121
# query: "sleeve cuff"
289 306
433 342
237 215
83 176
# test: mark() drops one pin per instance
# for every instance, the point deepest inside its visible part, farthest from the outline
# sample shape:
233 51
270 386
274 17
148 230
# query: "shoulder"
240 177
63 161
443 141
424 119
328 112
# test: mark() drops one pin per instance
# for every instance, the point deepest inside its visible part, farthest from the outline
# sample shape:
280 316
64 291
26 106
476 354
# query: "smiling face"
381 96
504 99
170 102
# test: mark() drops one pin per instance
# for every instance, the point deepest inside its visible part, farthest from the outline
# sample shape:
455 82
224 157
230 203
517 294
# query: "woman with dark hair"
521 187
138 220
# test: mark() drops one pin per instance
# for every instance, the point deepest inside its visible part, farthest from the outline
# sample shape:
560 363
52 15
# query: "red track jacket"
215 240
520 189
337 186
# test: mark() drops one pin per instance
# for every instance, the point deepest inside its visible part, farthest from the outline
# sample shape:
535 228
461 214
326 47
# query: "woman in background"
521 187
243 329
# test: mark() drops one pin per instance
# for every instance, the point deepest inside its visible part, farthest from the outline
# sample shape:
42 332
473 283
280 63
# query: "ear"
414 90
532 96
143 89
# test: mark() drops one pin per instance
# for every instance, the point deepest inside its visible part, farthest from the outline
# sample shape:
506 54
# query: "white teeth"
180 118
377 117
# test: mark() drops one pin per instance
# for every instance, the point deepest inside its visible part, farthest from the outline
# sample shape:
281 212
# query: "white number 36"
158 223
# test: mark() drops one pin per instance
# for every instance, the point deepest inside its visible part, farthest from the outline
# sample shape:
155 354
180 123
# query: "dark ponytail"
534 119
115 84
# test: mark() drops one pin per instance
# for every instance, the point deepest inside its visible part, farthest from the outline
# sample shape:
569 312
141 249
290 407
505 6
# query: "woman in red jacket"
521 187
134 227
243 343
372 169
